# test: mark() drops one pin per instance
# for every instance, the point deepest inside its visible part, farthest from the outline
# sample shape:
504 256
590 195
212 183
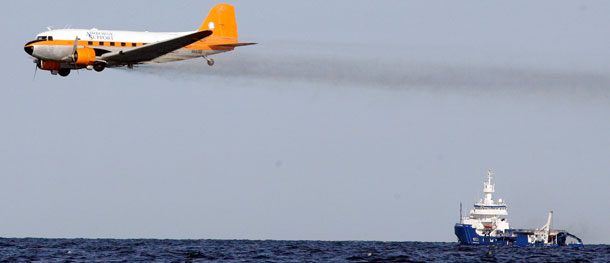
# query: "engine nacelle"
49 65
84 56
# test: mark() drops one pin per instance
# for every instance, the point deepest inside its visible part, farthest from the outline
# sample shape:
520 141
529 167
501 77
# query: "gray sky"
367 120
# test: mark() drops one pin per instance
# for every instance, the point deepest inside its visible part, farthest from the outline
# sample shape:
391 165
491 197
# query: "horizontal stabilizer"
231 45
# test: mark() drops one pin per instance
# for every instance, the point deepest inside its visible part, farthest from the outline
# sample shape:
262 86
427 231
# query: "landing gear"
210 61
64 72
99 67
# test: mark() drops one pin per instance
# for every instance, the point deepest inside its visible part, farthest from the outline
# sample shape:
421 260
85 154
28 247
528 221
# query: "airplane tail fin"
221 20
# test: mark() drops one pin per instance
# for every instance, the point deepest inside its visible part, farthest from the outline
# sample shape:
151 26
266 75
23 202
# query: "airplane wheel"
64 72
99 67
210 62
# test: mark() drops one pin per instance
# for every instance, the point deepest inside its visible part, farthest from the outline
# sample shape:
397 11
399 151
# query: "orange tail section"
221 20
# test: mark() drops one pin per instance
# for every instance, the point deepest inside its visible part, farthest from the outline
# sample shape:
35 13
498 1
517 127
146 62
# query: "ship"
487 224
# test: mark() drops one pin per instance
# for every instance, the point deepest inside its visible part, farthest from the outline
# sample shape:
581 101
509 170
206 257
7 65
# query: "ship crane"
542 234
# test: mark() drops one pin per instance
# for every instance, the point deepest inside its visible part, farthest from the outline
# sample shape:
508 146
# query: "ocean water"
149 250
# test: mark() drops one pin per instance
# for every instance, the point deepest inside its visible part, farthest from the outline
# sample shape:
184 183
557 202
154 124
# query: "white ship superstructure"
488 217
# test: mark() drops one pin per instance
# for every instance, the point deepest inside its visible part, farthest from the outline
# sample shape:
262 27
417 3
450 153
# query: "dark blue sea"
149 250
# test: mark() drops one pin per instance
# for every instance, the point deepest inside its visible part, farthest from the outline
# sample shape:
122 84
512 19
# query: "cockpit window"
43 38
50 38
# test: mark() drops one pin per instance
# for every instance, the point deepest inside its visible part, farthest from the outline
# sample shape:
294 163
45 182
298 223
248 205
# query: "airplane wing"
154 50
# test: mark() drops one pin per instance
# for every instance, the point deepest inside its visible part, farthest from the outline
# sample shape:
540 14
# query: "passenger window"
90 43
133 44
122 44
112 43
101 43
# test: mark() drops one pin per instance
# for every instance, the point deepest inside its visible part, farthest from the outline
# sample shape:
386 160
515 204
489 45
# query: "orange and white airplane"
61 51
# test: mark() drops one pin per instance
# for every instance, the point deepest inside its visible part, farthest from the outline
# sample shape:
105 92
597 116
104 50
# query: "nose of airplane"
29 50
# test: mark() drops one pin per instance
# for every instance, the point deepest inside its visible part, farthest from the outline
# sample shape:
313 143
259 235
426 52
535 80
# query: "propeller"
36 61
74 55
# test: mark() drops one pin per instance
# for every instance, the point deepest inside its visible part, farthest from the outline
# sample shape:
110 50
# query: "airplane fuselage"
58 44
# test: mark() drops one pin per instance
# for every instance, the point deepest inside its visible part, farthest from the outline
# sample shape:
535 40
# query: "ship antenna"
489 174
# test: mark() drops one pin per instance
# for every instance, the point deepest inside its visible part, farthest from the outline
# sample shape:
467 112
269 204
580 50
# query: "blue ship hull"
467 235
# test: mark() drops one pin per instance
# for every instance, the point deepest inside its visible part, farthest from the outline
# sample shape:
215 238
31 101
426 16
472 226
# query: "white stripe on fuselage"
111 35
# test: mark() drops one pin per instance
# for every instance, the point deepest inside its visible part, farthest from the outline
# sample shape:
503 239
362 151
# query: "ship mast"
488 189
461 217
